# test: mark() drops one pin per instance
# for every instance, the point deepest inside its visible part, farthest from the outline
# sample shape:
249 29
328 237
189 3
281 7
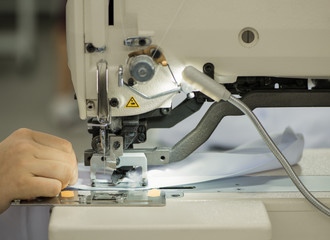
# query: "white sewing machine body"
286 40
268 43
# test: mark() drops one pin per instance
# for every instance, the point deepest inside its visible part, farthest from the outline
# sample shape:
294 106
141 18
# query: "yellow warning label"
132 103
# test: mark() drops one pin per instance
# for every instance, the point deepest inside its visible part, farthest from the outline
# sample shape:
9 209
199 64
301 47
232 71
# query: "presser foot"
126 168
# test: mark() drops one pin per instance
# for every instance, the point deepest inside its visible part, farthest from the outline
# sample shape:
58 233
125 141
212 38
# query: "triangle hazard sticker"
132 103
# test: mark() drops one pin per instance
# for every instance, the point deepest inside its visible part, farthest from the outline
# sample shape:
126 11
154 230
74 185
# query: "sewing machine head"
126 59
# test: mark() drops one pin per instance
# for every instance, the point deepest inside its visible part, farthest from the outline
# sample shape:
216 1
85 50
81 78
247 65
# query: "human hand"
34 164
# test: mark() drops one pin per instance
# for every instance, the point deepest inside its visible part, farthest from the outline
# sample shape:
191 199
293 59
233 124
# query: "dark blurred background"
35 86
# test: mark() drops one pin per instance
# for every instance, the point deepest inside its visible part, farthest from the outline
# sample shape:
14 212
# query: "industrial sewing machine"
126 59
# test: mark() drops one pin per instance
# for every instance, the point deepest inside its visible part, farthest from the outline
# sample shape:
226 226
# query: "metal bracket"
137 41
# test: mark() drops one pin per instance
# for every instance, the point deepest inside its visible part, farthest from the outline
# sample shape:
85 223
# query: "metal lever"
103 112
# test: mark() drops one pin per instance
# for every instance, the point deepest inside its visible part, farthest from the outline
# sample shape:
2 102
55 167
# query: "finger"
74 178
46 152
40 187
52 141
64 172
